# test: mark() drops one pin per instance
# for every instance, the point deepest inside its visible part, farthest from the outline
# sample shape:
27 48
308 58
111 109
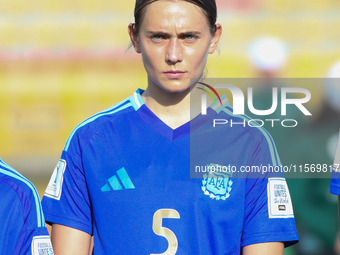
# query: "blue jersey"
23 229
335 182
124 178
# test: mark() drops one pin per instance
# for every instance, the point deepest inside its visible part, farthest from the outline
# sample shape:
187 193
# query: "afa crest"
217 185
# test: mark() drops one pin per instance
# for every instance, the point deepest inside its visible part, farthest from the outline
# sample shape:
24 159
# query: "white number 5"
165 232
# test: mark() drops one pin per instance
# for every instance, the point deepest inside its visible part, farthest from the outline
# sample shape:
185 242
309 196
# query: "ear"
134 37
215 39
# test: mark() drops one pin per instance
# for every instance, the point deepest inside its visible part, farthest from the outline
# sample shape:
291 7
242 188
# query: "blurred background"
63 61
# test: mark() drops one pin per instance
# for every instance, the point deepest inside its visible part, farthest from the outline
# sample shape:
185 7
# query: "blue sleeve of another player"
66 199
335 182
34 242
21 232
268 208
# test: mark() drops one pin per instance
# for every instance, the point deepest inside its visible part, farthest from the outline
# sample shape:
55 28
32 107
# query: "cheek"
201 50
148 61
152 58
197 57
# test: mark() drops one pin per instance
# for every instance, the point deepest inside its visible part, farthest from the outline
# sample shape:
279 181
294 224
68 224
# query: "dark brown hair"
207 6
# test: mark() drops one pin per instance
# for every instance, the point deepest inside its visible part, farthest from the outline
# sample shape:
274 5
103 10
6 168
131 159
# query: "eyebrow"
150 33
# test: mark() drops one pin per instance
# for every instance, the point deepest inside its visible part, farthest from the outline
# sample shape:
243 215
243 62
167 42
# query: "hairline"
204 12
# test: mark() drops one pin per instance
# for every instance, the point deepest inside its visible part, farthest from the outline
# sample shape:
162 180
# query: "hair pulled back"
207 6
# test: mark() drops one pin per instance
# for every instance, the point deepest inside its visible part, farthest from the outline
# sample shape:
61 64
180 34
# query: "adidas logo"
115 183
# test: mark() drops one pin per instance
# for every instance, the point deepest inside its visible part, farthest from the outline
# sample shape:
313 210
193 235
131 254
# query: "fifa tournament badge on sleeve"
54 187
41 245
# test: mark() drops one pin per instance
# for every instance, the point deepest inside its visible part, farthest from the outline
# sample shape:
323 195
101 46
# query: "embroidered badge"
217 185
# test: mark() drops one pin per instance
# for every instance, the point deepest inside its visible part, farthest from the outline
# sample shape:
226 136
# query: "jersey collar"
149 118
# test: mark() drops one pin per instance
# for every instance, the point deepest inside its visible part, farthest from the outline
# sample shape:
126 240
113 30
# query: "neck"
173 108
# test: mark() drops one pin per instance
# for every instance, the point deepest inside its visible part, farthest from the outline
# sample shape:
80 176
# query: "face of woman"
174 40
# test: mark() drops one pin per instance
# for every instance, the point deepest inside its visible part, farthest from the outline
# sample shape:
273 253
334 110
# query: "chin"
175 87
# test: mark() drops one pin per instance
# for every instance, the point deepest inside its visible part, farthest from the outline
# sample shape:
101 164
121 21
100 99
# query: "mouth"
174 74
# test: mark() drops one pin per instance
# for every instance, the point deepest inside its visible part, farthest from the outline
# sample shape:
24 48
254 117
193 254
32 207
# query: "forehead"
164 14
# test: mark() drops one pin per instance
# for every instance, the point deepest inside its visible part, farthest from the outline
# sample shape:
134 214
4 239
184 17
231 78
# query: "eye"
189 37
157 38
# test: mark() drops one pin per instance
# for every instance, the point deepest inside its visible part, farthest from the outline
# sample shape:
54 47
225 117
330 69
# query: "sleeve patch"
279 201
42 245
54 187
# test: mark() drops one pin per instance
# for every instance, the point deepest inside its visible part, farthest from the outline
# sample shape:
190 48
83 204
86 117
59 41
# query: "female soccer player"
124 176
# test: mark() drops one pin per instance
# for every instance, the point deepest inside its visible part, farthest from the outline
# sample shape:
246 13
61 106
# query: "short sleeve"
23 231
34 241
268 206
268 212
66 200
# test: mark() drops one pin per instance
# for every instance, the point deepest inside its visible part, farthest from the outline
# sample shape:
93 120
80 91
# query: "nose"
174 52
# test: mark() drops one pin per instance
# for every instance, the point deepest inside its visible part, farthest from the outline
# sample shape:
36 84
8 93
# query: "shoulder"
17 191
242 123
116 113
247 131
